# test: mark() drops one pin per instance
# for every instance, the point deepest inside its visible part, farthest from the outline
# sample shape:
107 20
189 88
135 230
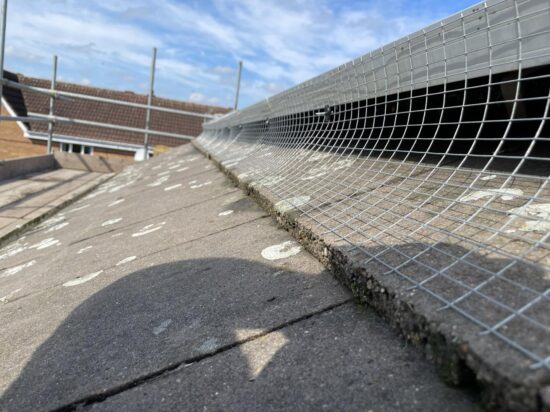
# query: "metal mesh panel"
428 160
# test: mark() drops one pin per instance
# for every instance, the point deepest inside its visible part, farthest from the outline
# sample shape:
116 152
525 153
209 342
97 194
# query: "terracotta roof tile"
28 102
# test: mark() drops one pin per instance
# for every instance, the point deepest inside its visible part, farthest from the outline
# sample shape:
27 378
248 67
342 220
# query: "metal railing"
52 118
55 94
428 161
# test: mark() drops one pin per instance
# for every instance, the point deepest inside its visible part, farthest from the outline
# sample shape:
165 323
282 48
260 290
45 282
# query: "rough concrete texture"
12 168
462 353
91 163
26 200
168 288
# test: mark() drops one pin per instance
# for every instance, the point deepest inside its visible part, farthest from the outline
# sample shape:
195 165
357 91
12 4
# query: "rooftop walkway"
167 288
25 199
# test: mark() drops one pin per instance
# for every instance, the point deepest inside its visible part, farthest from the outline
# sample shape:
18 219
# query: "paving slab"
301 367
28 199
90 311
434 249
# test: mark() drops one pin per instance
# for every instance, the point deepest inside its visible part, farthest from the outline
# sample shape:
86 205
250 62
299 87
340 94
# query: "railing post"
52 105
240 69
149 103
3 19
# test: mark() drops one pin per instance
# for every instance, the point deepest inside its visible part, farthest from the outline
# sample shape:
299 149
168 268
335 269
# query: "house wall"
99 151
13 143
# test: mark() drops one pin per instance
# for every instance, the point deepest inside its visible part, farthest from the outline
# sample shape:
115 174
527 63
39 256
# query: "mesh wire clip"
326 112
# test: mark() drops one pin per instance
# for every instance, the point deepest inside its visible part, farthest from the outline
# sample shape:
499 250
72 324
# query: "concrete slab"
412 241
89 310
344 358
34 197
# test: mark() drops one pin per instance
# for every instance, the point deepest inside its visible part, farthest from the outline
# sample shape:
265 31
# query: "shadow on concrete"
160 319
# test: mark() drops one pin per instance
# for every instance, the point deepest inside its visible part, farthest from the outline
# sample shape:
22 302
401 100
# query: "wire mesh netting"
429 160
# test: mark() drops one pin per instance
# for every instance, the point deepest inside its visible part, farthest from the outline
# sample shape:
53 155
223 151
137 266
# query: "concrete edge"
456 365
90 163
22 166
78 194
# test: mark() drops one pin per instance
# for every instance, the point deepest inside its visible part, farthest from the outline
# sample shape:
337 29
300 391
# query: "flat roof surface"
168 288
27 198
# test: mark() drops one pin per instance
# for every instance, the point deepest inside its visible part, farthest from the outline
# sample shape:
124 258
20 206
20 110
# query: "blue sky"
107 43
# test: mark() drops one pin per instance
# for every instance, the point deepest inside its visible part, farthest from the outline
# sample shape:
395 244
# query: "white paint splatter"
282 250
52 221
532 226
82 279
57 227
156 167
119 187
342 164
117 235
116 202
232 162
126 260
271 180
84 249
5 299
291 203
505 194
318 156
16 269
157 330
111 221
201 185
225 213
12 250
158 182
183 169
167 189
149 229
95 194
541 211
491 177
45 244
166 173
208 346
314 173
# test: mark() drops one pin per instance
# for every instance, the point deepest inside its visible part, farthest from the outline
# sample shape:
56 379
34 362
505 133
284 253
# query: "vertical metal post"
3 19
52 105
149 102
238 85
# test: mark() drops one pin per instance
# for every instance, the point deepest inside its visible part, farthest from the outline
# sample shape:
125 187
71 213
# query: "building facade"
18 139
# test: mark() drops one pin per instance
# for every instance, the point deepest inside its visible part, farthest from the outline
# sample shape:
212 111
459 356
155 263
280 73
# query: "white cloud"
198 97
282 42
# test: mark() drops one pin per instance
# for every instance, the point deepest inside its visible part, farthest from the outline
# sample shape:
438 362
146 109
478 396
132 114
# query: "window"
76 148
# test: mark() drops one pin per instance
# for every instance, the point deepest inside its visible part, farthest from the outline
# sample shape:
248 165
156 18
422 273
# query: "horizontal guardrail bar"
59 119
63 94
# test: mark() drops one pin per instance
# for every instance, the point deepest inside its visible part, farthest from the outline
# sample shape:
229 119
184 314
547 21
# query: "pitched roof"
24 102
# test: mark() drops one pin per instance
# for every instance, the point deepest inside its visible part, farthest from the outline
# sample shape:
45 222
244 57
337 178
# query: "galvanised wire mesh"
429 158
